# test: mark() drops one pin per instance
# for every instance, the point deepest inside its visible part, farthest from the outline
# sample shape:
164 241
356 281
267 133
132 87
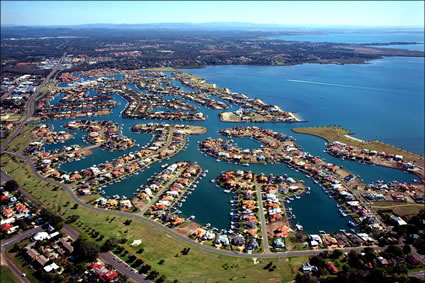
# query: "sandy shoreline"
356 139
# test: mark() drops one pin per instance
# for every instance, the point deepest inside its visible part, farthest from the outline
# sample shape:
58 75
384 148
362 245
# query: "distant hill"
218 26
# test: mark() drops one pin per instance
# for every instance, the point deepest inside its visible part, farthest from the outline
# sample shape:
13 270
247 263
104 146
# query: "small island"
341 144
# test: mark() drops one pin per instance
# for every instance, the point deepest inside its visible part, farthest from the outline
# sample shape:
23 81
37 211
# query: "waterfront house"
238 241
282 231
252 245
278 243
222 239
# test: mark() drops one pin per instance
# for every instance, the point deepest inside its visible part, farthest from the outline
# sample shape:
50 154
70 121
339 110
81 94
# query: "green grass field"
7 276
401 209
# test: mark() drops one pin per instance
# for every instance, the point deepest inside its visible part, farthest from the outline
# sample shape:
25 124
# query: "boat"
352 224
192 217
299 227
212 180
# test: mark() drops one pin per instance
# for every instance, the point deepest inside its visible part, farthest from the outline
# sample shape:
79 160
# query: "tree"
336 254
11 186
305 278
86 250
407 249
72 219
161 261
54 220
145 268
317 261
152 275
395 250
75 206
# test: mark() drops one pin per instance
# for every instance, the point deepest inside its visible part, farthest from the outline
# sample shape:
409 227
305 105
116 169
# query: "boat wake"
328 84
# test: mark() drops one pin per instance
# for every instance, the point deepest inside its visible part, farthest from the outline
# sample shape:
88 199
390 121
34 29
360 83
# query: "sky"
361 13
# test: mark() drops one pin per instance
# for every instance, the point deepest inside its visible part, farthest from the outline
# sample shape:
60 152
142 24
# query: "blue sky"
362 13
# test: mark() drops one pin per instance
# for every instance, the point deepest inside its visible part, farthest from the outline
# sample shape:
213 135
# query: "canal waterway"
208 202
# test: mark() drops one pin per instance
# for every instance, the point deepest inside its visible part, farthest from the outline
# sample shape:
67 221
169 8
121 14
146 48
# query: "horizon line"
202 23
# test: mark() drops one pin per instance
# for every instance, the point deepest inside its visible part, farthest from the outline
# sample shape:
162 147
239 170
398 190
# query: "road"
263 221
371 210
122 267
172 232
30 104
419 274
157 195
110 258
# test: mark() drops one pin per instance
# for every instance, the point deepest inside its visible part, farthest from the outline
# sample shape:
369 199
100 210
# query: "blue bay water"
363 38
382 100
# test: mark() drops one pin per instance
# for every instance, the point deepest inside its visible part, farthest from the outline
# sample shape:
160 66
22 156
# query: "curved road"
30 104
175 234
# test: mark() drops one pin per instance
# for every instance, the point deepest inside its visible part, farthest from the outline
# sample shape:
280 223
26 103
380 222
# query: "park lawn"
11 117
196 80
400 209
163 69
157 244
20 141
6 275
410 210
47 88
335 133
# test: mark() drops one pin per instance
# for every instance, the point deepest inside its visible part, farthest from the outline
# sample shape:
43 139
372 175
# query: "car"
23 275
